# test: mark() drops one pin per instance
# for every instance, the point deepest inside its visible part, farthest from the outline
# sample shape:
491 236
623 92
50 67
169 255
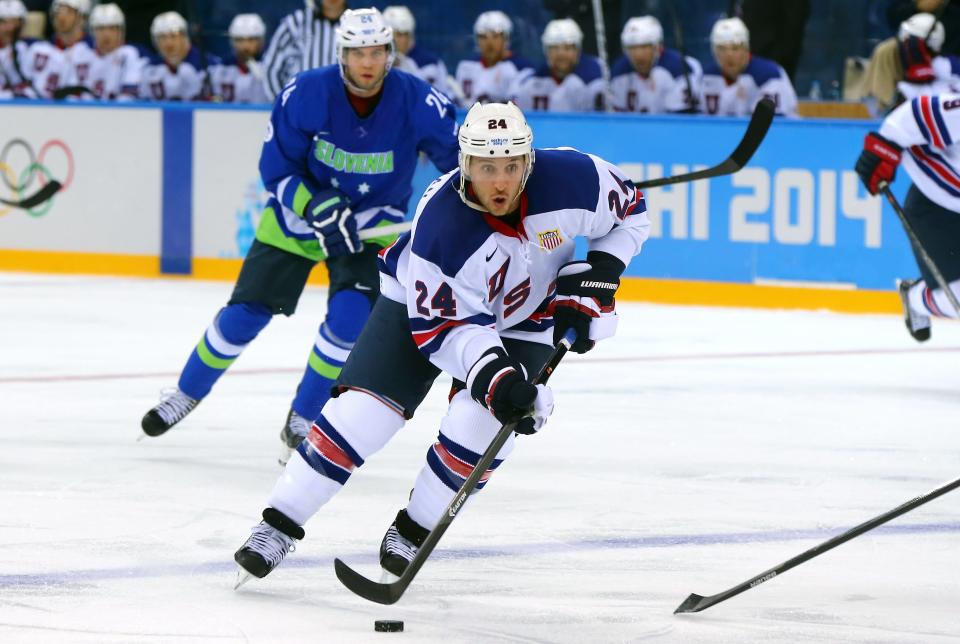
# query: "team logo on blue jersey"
353 162
550 239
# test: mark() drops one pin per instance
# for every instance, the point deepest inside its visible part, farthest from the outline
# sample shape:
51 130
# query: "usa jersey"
117 75
468 279
315 140
762 78
426 66
236 82
928 128
190 81
490 84
33 68
583 90
80 57
672 82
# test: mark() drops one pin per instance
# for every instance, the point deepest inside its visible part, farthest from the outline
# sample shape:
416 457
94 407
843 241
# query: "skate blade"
242 577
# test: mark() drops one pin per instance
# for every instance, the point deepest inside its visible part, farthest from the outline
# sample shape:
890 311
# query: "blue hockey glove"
329 214
498 382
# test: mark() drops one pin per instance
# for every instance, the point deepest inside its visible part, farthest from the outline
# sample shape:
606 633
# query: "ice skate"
917 325
173 407
294 431
269 542
400 544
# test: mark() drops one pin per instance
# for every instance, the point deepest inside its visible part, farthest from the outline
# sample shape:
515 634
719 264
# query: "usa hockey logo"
550 239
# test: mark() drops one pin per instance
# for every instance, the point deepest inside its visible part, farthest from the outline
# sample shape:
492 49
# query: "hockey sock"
465 433
351 428
928 301
234 327
347 312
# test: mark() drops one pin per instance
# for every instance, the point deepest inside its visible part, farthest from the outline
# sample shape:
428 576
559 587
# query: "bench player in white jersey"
570 81
239 78
481 289
928 129
28 68
925 70
69 18
411 57
736 81
181 72
649 77
490 75
118 68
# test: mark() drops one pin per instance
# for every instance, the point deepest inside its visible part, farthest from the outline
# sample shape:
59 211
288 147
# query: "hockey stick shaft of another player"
389 593
383 231
757 129
924 256
696 603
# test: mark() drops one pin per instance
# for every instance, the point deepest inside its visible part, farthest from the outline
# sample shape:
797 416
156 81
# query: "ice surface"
695 450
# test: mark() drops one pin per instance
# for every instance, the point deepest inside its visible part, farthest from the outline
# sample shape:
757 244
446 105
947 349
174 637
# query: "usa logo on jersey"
550 239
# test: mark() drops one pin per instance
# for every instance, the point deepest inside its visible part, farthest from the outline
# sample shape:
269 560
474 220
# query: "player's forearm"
462 348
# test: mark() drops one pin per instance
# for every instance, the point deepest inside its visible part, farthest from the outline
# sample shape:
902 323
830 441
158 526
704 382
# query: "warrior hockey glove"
585 300
916 59
329 214
878 161
498 382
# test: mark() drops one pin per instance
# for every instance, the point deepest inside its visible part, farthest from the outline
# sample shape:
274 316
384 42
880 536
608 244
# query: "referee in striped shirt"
303 40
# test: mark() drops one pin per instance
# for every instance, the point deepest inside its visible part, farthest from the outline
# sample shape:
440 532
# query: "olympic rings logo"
41 175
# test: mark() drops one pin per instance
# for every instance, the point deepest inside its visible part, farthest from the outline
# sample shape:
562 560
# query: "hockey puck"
388 626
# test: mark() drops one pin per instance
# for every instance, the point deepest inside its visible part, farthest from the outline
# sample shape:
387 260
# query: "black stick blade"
370 590
37 198
757 129
691 604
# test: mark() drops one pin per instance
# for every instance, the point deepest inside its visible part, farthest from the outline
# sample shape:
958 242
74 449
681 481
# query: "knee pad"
471 426
240 323
347 312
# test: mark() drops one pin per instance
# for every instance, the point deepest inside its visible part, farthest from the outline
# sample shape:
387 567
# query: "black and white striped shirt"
303 41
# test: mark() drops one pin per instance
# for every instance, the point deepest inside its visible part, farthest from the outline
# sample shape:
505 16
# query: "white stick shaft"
380 231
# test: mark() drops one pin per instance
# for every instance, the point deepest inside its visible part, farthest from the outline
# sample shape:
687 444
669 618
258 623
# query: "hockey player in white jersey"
181 72
736 81
28 68
118 69
413 58
69 18
928 128
570 81
649 77
239 78
925 71
490 75
481 289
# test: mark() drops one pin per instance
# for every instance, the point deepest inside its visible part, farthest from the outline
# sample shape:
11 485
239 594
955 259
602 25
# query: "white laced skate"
294 431
174 406
398 548
917 325
269 542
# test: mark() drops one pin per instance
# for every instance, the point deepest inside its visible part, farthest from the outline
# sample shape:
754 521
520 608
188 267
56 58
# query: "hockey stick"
695 603
937 275
389 593
756 130
383 231
36 198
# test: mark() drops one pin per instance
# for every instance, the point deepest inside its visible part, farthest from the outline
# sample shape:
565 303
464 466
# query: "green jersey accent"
269 232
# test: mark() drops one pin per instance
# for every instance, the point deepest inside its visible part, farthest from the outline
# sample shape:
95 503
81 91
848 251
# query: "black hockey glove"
585 297
498 382
329 214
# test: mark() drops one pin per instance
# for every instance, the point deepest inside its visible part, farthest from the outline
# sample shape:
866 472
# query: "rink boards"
175 190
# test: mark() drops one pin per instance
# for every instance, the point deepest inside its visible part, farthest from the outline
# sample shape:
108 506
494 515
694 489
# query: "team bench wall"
174 190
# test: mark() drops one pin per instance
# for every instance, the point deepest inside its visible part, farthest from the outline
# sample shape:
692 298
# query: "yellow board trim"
661 291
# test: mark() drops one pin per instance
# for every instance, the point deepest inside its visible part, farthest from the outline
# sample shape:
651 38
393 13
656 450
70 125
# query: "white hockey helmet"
400 19
494 130
12 9
562 32
495 22
107 15
641 30
80 6
729 31
919 25
169 22
247 25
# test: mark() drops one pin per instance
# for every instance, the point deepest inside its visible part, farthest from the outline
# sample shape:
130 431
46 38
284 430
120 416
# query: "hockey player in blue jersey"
338 158
481 289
